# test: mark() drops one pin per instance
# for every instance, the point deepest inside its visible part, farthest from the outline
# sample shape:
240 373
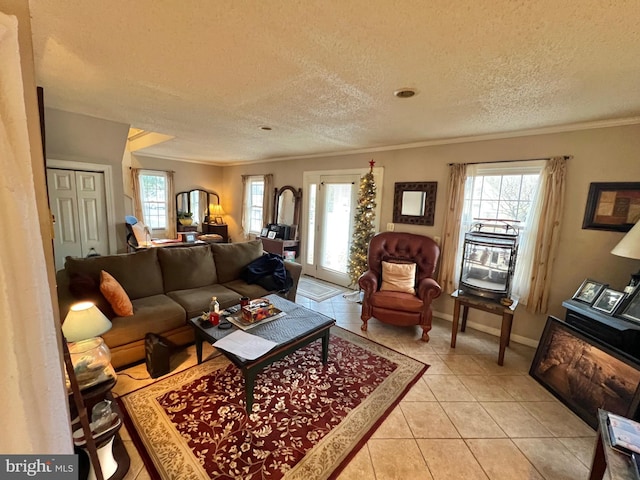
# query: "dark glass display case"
489 259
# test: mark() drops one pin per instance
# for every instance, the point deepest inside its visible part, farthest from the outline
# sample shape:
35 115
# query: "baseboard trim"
490 330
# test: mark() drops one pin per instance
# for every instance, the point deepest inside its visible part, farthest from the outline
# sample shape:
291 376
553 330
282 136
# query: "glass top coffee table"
299 327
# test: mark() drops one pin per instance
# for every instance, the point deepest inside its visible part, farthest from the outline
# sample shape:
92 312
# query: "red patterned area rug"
308 419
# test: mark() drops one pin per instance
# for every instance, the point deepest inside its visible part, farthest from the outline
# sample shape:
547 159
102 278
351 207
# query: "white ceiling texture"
321 73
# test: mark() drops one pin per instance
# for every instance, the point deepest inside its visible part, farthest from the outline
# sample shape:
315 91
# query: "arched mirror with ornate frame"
287 203
195 202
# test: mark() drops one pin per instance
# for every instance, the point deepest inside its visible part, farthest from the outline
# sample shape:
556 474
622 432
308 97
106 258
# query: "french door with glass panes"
331 206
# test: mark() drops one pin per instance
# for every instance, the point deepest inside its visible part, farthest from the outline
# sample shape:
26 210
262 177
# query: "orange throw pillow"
399 277
115 294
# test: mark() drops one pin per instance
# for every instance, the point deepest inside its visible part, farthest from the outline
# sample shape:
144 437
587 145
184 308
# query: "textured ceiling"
321 73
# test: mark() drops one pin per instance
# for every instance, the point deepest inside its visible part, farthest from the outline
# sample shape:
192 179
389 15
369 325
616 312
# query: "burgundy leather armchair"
399 308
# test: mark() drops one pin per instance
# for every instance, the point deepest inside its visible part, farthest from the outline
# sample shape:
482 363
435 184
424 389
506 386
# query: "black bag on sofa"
268 271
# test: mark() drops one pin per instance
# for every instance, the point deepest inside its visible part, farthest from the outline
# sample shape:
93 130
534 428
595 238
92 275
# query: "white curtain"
137 201
243 215
267 202
172 219
526 248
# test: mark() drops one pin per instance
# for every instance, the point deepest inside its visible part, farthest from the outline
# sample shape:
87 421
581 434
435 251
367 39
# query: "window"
505 191
254 204
153 197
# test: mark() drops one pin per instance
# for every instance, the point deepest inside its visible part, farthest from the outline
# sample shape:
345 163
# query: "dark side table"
486 305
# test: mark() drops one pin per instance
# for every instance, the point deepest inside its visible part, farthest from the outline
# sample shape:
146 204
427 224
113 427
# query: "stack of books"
625 437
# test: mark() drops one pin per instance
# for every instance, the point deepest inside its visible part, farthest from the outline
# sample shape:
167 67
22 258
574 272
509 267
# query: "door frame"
378 177
107 172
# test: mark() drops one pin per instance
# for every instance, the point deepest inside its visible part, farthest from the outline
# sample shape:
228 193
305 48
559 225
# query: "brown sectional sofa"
167 287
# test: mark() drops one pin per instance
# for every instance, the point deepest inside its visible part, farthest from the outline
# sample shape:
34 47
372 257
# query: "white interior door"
78 204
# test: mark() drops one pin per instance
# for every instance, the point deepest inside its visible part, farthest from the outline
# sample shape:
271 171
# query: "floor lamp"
83 321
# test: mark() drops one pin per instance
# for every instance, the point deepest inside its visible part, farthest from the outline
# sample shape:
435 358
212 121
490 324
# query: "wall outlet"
437 240
390 227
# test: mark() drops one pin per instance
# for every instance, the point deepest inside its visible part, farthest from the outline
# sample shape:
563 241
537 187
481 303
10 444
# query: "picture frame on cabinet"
630 307
608 300
589 291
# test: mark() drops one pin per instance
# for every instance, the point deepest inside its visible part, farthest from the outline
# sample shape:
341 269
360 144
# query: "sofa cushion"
246 290
197 300
156 314
139 273
231 258
187 267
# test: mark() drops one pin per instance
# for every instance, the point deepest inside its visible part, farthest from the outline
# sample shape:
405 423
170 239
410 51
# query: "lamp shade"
217 210
83 321
629 246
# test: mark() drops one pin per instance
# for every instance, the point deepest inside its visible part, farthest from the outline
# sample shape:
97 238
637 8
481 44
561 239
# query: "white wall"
80 138
34 414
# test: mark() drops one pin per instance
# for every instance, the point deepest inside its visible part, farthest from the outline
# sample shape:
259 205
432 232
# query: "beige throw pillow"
399 277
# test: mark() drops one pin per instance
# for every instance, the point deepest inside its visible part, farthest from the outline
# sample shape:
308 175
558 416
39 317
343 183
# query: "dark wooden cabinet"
219 229
615 332
279 246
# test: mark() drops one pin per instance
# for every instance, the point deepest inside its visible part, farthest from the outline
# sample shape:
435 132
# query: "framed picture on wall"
585 374
612 206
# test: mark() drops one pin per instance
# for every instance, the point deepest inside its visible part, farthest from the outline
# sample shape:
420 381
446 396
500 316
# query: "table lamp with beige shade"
216 212
629 247
90 356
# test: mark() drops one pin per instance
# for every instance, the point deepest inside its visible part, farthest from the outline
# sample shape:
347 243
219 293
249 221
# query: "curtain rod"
566 157
154 170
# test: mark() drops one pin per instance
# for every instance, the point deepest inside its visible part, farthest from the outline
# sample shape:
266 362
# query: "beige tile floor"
466 418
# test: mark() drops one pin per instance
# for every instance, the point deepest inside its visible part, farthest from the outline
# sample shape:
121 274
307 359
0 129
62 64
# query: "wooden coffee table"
299 327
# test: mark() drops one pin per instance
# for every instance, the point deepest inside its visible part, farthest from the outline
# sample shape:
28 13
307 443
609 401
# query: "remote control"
233 309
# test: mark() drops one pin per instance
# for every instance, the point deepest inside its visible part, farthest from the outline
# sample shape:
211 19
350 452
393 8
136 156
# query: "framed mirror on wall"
286 209
415 203
195 202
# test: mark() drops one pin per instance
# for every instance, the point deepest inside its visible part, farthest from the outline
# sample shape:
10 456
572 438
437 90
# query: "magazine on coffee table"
624 434
242 324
